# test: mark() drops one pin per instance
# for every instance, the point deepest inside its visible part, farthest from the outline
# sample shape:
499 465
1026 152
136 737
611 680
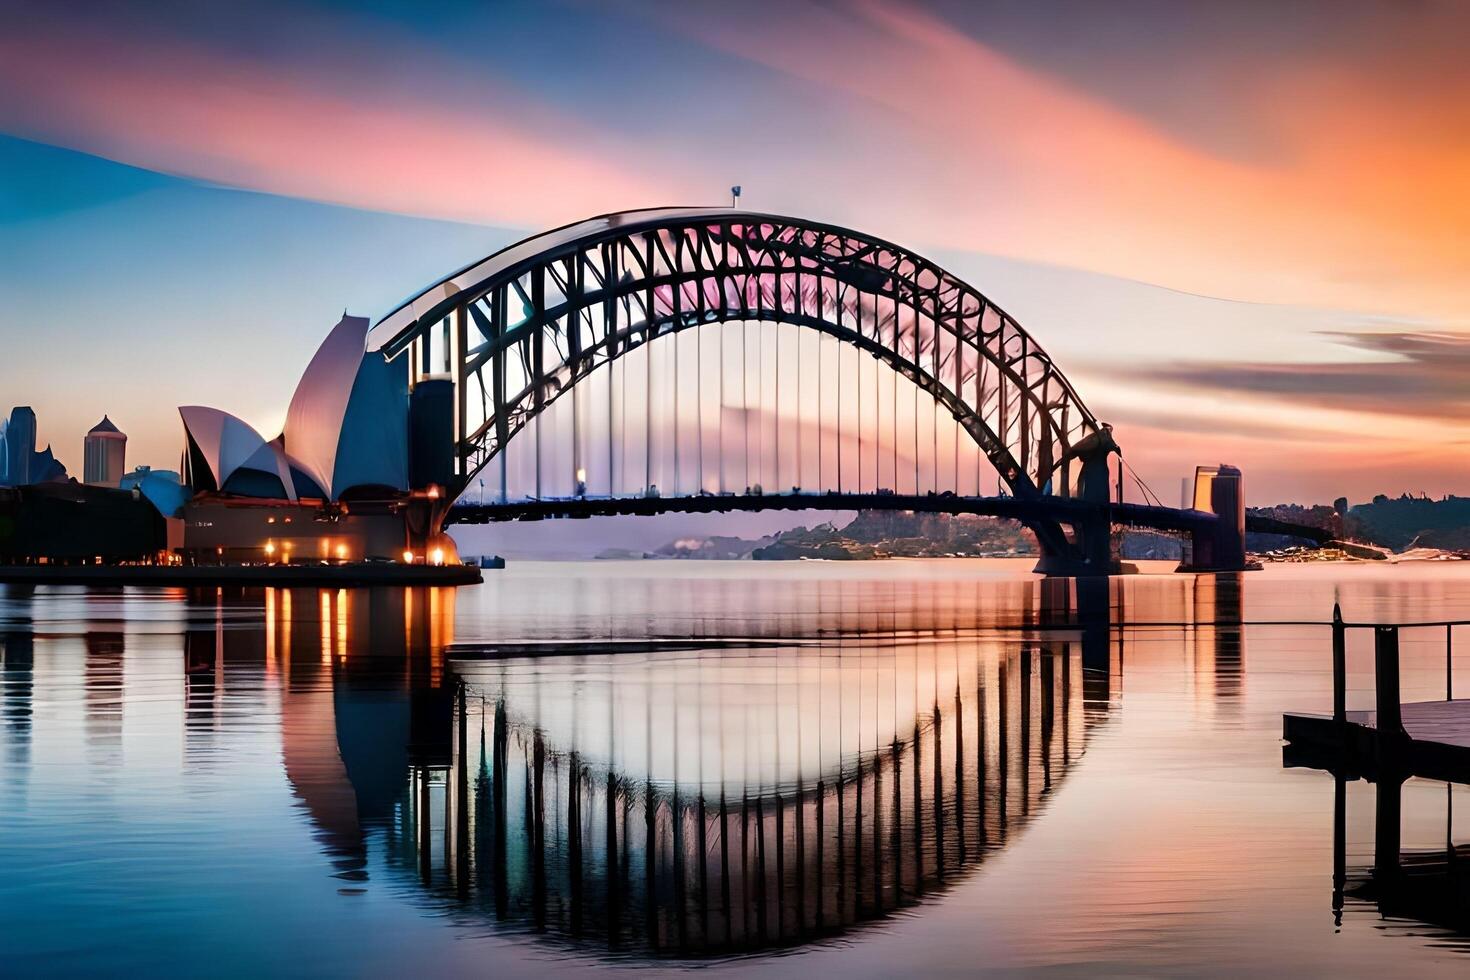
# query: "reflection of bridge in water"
732 796
730 800
680 798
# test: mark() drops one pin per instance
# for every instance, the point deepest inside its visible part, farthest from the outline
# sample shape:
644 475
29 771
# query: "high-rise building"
17 446
103 454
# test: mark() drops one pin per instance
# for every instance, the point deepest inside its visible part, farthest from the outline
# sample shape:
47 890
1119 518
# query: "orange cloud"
1367 207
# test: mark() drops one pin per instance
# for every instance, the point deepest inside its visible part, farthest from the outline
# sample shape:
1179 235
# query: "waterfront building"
333 486
346 432
103 454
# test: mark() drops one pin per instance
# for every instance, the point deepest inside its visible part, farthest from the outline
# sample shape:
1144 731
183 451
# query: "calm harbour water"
859 769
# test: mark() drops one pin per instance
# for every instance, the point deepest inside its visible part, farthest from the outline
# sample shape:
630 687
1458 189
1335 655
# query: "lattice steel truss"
520 329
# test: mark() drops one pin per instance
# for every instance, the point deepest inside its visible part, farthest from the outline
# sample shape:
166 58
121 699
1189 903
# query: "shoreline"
343 576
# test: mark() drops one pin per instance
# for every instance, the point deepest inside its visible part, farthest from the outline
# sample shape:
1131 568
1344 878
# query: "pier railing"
1385 666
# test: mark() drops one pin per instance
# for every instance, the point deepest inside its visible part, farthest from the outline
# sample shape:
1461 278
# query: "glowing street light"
408 557
438 556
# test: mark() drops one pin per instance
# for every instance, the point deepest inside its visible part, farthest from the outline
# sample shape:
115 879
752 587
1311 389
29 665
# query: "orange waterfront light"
408 557
341 552
438 556
270 548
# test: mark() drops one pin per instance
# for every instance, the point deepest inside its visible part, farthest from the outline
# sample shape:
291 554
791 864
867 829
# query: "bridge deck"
1060 509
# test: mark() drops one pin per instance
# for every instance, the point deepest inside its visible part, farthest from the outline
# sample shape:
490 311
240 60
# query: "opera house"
343 482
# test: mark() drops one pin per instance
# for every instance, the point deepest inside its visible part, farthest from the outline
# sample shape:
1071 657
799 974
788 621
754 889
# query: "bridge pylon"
1089 549
1220 546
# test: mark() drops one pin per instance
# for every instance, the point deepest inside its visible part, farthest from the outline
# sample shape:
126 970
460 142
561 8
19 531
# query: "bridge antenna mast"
735 196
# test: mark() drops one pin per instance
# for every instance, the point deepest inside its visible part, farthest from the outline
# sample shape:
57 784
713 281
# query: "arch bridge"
712 360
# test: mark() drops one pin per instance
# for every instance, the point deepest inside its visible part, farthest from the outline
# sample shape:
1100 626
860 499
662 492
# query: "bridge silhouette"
711 360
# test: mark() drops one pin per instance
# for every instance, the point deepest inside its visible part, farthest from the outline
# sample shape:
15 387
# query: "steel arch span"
525 325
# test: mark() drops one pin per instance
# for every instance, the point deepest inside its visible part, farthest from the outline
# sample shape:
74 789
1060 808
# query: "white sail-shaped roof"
226 442
314 420
347 424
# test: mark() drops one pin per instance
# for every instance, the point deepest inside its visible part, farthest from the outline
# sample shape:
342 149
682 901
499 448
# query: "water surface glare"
858 769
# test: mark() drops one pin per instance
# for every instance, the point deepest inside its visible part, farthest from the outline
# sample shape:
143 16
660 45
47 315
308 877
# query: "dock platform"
1395 739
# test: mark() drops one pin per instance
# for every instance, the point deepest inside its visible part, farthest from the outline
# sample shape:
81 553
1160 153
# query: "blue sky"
1176 201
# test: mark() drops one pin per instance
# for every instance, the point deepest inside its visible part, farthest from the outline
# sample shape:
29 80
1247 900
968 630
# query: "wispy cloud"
1418 374
881 112
1364 207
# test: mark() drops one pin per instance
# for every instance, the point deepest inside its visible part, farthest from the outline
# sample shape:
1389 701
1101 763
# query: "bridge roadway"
1062 509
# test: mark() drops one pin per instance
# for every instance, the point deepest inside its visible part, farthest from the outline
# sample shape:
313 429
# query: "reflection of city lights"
438 556
408 557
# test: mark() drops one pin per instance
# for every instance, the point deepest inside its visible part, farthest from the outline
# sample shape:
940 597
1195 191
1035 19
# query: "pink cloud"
225 119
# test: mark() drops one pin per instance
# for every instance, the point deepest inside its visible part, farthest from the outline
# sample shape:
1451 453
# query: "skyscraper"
103 454
18 446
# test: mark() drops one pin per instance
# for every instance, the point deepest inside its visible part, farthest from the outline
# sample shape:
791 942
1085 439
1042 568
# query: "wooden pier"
1388 745
1394 740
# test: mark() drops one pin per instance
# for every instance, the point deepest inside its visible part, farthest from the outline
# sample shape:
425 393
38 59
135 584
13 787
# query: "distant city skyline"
1197 230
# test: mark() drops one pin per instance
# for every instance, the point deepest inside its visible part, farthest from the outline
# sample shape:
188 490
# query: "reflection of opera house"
343 482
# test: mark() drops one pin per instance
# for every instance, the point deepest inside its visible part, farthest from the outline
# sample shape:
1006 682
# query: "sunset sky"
1241 229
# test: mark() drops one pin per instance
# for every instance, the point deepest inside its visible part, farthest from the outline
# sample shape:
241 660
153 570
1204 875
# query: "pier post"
1449 661
1386 669
1339 666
